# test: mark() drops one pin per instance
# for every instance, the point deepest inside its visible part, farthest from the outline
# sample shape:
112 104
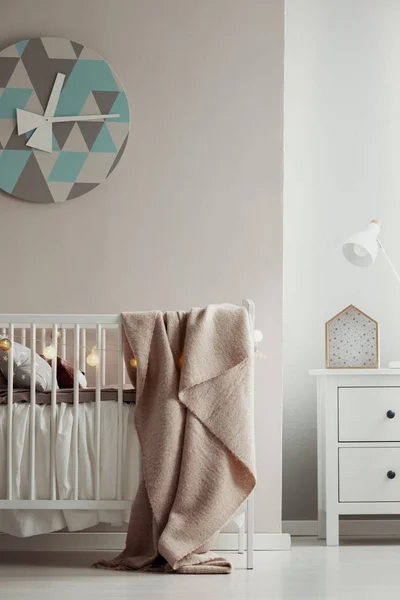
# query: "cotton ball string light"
180 361
5 344
93 358
133 363
49 352
258 336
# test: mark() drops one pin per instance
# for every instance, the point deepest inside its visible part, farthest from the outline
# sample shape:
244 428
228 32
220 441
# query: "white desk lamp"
361 250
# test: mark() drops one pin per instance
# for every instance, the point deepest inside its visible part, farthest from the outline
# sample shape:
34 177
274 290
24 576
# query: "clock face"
64 120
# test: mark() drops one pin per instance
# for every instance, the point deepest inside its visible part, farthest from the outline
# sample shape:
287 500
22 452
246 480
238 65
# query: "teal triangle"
21 46
104 141
12 163
56 147
121 108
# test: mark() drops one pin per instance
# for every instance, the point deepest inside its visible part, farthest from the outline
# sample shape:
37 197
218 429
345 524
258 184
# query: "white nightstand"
358 445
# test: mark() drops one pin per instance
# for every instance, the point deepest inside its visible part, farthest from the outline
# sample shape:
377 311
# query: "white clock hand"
81 118
55 95
26 121
42 138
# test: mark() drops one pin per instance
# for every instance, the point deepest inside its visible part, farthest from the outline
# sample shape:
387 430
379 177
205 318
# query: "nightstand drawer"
369 475
369 414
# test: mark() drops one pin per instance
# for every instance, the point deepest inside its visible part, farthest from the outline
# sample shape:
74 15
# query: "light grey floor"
354 571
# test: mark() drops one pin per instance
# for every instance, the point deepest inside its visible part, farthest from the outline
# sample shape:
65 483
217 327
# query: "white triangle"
90 107
75 141
20 77
46 161
60 190
118 132
89 54
34 105
7 126
11 51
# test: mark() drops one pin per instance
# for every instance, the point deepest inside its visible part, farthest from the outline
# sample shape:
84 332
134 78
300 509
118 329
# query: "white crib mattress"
25 523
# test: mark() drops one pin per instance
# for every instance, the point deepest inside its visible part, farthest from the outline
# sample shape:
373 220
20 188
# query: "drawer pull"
390 414
391 474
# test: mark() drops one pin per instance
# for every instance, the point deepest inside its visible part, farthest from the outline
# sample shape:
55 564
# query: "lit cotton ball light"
93 358
5 344
258 336
49 352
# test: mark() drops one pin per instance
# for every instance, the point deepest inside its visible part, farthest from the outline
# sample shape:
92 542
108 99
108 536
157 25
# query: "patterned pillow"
22 368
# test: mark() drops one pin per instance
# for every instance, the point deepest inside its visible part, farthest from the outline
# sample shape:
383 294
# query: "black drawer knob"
391 474
390 414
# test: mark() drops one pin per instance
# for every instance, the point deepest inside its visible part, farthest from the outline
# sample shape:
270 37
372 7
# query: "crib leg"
239 520
250 530
241 538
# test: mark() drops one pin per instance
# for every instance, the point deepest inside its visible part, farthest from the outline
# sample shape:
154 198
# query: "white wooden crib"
80 329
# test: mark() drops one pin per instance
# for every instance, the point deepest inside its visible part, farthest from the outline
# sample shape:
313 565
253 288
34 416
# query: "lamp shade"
361 249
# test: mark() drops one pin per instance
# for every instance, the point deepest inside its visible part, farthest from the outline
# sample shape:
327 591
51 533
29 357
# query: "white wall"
193 213
342 169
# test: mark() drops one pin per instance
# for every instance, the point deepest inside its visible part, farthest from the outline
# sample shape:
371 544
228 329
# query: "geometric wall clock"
64 120
352 340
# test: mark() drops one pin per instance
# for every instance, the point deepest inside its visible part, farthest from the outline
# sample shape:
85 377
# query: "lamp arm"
388 259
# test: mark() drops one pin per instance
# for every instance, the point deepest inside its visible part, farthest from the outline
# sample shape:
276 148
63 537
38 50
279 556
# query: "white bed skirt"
24 523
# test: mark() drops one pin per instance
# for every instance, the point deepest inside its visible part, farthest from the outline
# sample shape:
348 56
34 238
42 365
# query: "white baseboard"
114 542
353 528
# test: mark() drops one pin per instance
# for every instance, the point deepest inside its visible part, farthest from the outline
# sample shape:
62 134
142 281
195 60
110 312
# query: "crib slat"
83 350
3 331
97 414
23 336
53 422
42 341
10 378
32 414
103 357
120 359
63 343
76 413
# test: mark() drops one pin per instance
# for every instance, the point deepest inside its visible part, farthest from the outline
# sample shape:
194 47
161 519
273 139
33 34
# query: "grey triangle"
90 130
60 190
11 51
75 141
17 142
31 184
7 66
42 70
105 101
90 107
79 189
77 48
19 77
118 157
1 147
61 132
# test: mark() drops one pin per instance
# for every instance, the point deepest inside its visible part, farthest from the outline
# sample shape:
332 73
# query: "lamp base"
394 364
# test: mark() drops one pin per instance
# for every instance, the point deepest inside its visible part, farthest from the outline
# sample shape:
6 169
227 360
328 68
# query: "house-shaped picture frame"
352 340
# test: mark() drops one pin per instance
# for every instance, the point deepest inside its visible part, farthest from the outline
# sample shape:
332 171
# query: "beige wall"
193 213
